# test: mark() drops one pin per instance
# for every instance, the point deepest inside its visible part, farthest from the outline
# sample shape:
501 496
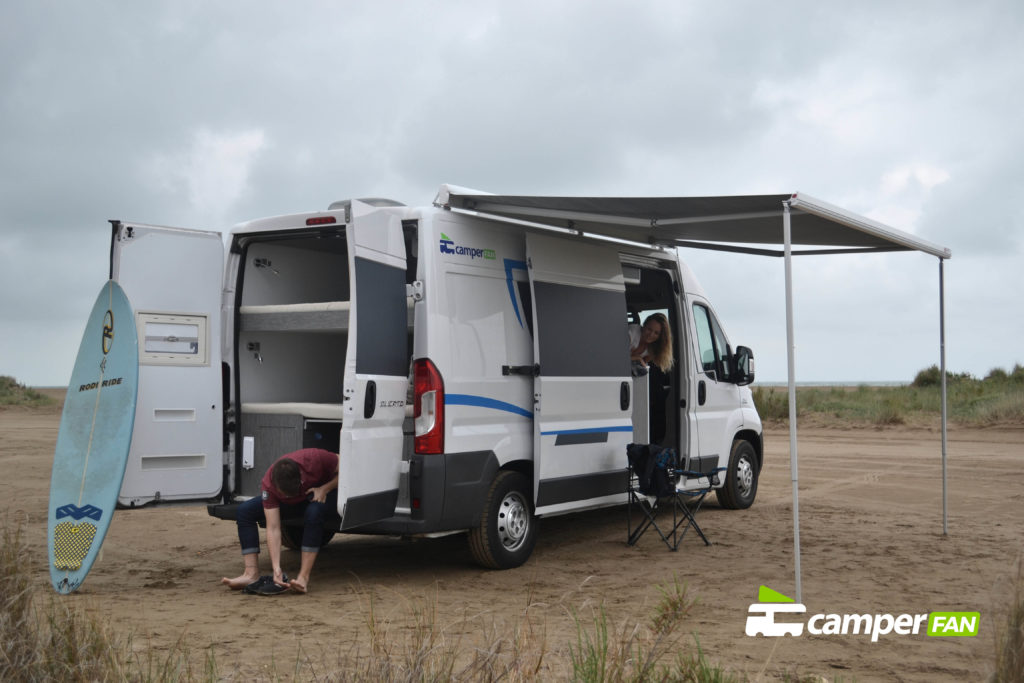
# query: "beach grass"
45 638
1009 658
13 393
998 398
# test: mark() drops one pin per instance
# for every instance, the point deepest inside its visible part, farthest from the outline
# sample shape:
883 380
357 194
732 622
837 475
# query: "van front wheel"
740 487
507 531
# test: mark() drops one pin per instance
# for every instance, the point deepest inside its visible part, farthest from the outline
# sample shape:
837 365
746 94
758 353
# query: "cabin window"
711 342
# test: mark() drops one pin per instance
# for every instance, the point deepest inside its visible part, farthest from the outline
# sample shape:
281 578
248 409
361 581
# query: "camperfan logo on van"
448 246
761 621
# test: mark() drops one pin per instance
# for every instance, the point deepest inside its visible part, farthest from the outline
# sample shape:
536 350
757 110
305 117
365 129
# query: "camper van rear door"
377 362
173 278
582 421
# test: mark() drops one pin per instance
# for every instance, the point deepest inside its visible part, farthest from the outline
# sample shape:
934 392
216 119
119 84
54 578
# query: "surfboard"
95 435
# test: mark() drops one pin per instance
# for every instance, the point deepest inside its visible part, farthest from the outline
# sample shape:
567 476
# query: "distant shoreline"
838 383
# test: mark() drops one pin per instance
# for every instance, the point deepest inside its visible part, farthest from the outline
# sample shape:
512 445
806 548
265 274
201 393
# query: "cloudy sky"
204 114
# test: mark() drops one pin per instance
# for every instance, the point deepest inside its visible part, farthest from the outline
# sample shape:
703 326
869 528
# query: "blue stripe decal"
595 430
484 402
509 265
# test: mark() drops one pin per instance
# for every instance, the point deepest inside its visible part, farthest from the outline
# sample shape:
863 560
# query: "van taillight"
428 407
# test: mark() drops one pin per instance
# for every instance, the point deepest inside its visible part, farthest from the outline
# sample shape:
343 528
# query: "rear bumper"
446 493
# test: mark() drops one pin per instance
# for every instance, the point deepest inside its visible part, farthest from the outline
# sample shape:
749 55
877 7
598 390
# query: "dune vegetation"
998 398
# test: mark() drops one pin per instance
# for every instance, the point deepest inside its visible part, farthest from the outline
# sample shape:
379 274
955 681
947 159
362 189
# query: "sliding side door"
582 392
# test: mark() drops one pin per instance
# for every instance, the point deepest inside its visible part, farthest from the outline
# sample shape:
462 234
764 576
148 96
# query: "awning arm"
481 205
774 252
571 231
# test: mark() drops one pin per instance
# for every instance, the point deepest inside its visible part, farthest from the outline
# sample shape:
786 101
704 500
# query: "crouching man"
303 483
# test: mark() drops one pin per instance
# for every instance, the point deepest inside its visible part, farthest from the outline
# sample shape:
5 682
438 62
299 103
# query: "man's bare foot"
239 582
297 585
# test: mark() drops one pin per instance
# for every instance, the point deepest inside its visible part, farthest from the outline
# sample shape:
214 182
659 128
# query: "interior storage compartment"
293 321
292 338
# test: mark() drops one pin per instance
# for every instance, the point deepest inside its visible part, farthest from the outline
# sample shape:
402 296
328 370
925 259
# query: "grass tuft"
12 393
53 640
1010 638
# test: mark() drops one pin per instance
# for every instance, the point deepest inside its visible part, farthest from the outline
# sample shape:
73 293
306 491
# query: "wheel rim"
513 521
744 477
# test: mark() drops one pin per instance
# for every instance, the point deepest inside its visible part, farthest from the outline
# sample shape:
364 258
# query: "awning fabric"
703 222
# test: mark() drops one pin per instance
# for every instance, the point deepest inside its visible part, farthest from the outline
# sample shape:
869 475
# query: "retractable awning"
730 223
726 223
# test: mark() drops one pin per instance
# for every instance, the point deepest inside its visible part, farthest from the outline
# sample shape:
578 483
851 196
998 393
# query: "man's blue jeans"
250 515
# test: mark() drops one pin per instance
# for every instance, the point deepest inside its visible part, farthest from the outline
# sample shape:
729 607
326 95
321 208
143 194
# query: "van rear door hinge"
414 290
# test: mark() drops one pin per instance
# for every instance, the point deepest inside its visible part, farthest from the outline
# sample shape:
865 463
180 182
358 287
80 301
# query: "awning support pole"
942 372
790 359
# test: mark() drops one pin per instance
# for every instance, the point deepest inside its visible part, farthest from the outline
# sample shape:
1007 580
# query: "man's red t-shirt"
317 467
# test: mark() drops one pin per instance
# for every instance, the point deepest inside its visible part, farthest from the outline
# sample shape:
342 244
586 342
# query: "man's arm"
273 516
320 492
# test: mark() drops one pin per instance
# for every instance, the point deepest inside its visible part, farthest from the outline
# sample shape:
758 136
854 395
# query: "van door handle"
624 395
524 370
370 402
702 393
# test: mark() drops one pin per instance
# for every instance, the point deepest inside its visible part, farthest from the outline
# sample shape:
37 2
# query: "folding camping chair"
658 486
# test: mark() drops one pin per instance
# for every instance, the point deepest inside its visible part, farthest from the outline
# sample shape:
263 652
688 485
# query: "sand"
871 539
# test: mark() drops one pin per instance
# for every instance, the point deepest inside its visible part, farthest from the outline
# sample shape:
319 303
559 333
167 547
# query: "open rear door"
173 279
376 368
582 394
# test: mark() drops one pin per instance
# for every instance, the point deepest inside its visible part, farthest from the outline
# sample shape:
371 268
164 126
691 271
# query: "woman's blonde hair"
661 350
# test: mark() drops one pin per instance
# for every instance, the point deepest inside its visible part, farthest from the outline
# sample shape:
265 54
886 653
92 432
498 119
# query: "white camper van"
471 370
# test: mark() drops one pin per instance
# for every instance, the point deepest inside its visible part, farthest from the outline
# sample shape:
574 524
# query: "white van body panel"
477 326
173 279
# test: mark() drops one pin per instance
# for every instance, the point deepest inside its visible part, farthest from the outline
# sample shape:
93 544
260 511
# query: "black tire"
291 536
507 531
740 487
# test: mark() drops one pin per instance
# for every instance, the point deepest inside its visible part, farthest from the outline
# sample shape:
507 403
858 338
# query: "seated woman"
652 343
651 347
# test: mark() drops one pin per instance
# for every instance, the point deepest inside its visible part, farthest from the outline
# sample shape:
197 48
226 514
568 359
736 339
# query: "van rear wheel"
740 487
507 531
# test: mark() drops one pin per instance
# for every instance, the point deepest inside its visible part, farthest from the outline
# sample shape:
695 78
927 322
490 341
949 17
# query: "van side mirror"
743 366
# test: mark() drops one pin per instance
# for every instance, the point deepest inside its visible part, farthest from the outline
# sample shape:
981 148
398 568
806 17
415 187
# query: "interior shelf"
325 315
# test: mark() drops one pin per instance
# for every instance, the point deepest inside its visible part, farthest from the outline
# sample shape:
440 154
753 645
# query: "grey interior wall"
294 275
306 367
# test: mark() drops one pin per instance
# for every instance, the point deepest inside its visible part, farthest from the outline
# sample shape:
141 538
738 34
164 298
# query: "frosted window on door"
172 338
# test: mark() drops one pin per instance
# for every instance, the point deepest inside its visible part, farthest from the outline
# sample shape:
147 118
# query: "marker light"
321 220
